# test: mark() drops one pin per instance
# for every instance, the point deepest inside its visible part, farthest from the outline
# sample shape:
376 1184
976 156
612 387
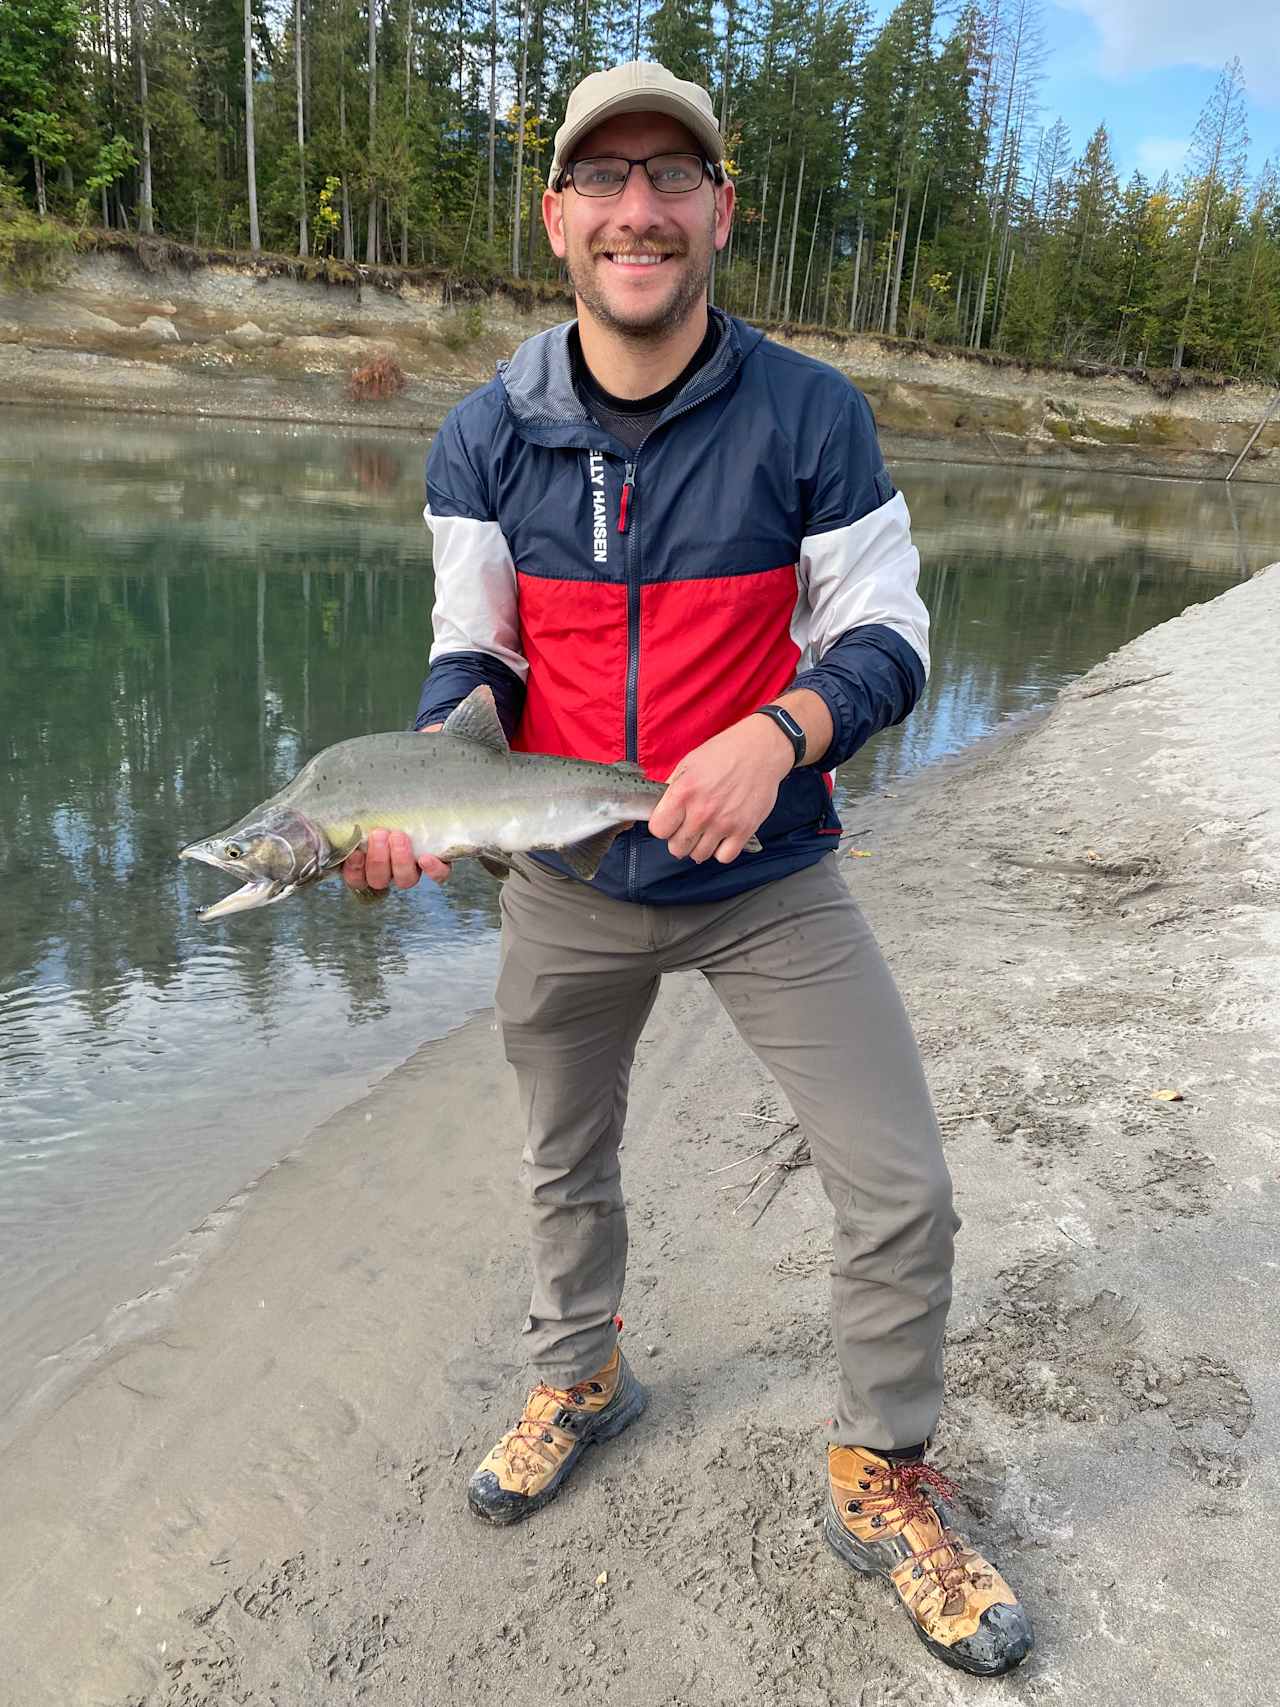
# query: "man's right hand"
388 858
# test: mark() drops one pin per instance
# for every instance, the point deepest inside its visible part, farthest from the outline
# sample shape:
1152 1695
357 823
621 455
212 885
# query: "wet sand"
257 1498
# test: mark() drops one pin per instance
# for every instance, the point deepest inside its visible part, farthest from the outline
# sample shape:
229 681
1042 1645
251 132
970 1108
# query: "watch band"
789 727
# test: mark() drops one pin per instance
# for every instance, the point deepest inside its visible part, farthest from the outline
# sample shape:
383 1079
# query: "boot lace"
532 1432
902 1493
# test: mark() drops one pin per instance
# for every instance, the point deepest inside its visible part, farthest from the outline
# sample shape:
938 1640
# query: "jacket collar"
538 382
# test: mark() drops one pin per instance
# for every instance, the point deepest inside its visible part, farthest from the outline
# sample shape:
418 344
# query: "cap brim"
705 131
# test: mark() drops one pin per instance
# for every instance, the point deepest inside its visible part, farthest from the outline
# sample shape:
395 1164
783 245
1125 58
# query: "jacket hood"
538 379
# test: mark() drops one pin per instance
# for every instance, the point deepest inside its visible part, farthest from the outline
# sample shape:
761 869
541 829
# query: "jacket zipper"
631 550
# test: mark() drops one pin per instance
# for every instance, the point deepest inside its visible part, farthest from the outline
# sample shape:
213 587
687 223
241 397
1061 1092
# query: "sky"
1147 67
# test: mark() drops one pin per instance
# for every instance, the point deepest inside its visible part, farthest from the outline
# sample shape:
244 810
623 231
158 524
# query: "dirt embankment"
260 1498
163 330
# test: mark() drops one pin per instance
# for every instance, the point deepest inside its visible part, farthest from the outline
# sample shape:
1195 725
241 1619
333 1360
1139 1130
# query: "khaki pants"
799 973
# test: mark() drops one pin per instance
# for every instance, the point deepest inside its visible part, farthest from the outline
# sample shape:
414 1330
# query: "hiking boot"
533 1460
885 1520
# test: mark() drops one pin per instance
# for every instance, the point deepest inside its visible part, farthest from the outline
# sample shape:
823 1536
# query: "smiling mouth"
634 261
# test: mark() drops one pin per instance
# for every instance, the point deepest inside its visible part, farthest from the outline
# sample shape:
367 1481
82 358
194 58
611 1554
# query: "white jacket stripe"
475 606
860 574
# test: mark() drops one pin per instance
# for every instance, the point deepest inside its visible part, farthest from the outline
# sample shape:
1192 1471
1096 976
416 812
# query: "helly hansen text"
599 527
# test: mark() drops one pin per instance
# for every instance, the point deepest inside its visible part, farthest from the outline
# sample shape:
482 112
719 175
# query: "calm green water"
186 612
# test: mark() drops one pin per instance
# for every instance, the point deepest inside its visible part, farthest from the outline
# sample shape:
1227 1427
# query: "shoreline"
211 337
268 1487
898 446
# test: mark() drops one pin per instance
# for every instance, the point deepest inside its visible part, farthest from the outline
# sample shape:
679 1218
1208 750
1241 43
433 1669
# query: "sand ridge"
261 1501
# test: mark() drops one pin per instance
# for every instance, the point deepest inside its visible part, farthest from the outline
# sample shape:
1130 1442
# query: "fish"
460 791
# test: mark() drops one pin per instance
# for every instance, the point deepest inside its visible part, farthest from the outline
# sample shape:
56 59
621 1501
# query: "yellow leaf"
602 1579
1167 1096
859 853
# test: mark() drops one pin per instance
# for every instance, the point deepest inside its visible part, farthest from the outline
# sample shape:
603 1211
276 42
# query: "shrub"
381 378
33 251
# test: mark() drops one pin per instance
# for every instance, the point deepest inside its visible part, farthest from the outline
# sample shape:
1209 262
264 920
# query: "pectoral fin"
584 858
495 865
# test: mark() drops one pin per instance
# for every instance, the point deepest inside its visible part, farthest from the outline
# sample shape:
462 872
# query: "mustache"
602 246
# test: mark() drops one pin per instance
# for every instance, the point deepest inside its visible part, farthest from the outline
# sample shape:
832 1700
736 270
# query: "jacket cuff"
459 673
869 679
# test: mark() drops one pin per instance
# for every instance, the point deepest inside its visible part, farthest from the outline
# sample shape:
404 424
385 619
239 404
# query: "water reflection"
186 613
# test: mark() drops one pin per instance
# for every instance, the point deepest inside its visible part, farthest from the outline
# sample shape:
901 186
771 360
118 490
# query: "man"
660 538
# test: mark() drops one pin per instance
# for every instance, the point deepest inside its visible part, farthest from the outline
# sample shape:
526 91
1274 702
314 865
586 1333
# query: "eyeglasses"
607 174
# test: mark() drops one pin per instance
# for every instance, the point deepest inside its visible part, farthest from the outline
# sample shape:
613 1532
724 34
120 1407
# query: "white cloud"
1150 35
1157 154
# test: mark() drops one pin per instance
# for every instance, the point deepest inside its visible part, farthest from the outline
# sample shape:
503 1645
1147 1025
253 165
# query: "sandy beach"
256 1495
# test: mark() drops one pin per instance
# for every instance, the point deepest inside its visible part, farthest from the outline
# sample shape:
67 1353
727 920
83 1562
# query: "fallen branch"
1125 682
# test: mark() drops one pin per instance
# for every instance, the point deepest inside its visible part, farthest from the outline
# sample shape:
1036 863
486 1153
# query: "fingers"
389 859
353 871
436 869
404 866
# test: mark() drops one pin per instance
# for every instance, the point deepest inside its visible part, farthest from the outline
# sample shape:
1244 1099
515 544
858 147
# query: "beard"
661 319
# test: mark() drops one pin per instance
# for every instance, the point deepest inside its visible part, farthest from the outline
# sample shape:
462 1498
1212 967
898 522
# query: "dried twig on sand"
775 1174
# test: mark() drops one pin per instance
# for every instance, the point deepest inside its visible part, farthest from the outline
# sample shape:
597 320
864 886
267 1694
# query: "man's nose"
638 206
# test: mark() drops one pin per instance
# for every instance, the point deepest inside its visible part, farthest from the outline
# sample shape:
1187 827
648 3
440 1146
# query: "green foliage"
892 171
33 251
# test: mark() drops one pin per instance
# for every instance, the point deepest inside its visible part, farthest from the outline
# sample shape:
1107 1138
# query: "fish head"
274 853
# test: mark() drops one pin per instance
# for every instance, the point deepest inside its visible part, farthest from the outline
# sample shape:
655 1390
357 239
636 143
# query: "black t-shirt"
630 418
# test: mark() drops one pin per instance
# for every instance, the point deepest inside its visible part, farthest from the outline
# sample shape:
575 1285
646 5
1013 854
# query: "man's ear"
553 219
724 211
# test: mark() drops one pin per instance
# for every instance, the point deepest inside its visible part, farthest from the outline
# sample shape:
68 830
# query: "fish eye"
233 850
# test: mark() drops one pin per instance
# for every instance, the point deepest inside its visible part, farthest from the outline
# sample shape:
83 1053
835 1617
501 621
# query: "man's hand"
721 792
388 858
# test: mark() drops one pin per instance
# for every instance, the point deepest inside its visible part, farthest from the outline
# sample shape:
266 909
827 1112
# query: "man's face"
602 239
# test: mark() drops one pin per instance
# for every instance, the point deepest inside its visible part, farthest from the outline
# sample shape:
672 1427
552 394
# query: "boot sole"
850 1552
632 1402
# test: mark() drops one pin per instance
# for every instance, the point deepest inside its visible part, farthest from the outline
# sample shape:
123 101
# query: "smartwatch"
789 727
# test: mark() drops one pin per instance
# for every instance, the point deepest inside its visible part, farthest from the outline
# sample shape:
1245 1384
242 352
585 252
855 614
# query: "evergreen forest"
895 174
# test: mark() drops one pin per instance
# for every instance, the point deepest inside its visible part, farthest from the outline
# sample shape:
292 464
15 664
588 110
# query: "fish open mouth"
257 892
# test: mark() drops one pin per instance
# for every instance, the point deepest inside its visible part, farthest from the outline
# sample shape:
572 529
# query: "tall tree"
304 247
251 158
1218 149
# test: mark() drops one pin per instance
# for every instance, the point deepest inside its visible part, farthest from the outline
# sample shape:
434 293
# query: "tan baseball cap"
638 87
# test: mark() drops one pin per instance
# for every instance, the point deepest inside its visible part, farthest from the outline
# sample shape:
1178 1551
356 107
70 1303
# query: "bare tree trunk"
888 262
493 104
145 219
813 238
304 246
897 264
831 261
915 261
408 67
764 208
1195 278
251 160
857 274
795 226
519 188
777 239
371 236
348 241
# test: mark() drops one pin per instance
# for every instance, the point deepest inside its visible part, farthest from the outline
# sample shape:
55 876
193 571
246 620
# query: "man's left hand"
721 792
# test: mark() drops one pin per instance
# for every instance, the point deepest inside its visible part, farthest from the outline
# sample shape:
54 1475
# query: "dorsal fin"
476 719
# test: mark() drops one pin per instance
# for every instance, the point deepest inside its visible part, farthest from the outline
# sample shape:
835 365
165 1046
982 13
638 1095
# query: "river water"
189 610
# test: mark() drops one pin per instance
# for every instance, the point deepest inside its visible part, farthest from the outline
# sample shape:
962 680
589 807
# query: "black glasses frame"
708 169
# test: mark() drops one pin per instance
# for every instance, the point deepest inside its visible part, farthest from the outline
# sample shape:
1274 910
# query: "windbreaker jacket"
629 605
